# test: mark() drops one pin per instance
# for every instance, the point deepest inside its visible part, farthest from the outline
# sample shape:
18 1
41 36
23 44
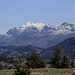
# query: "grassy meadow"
46 71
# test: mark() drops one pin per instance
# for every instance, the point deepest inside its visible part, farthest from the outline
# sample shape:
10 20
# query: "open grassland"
6 72
49 71
46 71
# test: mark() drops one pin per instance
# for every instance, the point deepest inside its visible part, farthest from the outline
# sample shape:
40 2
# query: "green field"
46 71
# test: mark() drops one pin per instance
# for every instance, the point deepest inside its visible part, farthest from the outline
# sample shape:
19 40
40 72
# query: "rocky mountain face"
38 34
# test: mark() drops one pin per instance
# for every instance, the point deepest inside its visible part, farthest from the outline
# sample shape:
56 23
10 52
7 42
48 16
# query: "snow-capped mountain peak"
39 26
38 34
64 28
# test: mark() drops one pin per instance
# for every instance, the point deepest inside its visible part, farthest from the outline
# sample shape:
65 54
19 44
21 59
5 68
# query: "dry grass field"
6 72
46 71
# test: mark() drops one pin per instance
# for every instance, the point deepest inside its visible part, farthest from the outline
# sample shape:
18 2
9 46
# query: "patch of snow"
39 26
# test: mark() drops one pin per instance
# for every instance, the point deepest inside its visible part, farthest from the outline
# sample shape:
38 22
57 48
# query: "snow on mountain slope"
38 34
39 26
63 28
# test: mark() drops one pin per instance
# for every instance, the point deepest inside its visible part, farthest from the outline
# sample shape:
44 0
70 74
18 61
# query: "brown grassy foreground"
46 71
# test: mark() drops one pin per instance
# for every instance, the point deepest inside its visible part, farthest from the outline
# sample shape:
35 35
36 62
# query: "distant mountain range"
38 34
67 45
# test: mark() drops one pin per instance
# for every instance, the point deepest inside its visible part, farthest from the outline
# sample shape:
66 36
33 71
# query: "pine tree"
72 59
43 65
28 62
64 62
23 70
56 59
36 61
0 66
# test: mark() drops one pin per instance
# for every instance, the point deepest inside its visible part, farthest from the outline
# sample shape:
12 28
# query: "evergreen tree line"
61 60
21 70
35 61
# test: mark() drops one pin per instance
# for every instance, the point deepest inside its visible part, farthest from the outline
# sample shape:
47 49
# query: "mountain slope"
5 49
68 46
22 51
38 34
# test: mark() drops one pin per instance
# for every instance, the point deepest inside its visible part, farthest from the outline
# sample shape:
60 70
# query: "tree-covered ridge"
68 46
58 60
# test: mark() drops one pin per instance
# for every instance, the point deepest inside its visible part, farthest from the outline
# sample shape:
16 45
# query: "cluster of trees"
34 61
21 70
60 60
7 62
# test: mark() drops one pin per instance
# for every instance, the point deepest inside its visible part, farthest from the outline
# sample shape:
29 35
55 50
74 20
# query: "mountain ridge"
44 27
67 45
38 34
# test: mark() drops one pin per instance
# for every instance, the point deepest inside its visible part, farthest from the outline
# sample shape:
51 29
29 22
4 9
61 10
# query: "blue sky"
14 13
